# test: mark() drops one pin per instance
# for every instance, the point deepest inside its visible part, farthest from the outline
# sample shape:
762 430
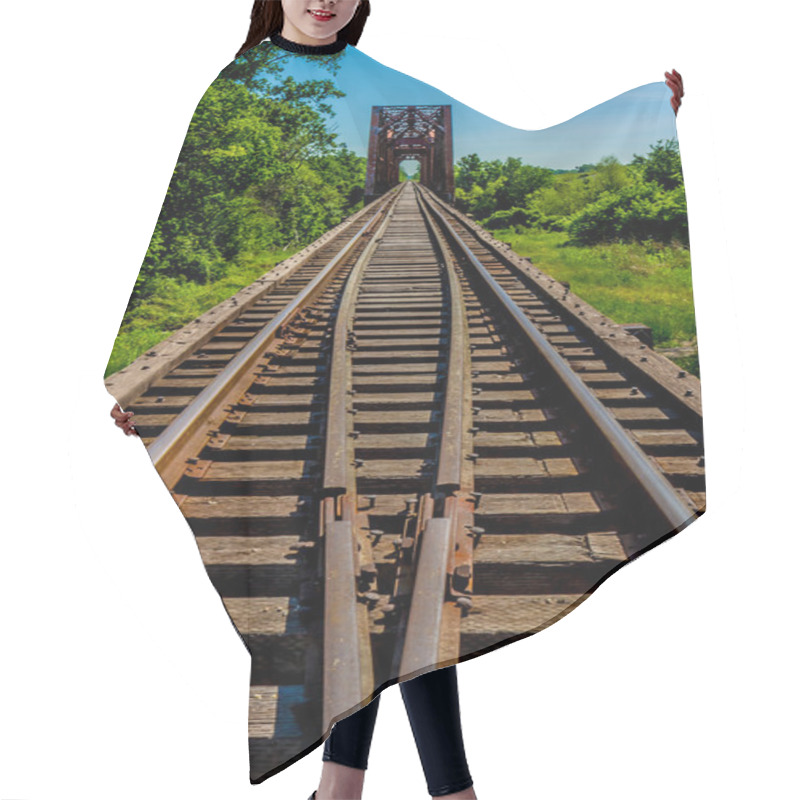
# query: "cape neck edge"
306 49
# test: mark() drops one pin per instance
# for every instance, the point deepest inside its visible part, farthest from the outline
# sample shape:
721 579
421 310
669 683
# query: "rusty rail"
435 552
347 653
207 410
652 483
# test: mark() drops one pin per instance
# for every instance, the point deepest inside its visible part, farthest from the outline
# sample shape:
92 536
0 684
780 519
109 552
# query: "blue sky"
622 126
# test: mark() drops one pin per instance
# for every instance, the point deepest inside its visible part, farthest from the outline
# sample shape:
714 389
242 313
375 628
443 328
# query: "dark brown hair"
266 18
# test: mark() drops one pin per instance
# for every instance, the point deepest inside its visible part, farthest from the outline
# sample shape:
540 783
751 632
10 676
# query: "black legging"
432 706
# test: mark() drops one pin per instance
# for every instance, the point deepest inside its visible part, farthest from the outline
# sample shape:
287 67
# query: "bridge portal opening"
409 169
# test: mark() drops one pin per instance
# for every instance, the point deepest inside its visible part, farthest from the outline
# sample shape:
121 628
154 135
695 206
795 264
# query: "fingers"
124 420
129 428
121 418
675 81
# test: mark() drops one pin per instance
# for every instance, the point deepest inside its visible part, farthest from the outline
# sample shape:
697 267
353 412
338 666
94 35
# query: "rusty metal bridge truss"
419 133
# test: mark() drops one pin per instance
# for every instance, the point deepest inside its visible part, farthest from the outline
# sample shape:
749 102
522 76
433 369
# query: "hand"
675 82
123 419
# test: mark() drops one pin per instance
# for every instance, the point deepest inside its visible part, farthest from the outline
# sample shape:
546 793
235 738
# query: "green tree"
662 164
259 169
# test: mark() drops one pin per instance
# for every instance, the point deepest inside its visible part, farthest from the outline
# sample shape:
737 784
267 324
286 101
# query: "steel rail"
424 625
688 401
644 474
347 652
197 413
339 384
423 631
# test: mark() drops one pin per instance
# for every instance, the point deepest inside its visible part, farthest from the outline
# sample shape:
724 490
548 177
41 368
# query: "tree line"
594 203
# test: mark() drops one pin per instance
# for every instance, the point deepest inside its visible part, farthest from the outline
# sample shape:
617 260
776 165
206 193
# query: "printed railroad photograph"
418 381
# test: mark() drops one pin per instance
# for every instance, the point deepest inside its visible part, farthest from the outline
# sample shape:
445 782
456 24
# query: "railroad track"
409 448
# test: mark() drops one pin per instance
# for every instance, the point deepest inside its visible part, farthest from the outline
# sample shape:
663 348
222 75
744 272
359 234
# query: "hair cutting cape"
419 381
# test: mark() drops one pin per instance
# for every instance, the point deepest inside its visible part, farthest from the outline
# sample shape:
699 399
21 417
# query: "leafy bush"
637 212
507 219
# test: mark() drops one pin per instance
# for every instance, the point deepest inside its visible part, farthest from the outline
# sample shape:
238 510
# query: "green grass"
647 283
176 303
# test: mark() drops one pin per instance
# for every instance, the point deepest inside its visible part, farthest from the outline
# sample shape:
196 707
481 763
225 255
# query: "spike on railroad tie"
355 434
474 429
376 534
682 374
472 456
476 496
643 358
372 498
465 604
634 390
411 504
370 598
689 393
701 461
475 533
358 462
